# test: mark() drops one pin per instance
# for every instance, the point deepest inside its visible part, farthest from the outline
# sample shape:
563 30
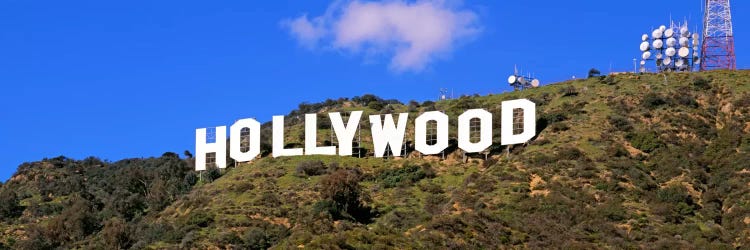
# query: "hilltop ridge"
622 161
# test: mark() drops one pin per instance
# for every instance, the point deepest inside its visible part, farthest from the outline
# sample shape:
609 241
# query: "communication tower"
717 51
520 82
443 94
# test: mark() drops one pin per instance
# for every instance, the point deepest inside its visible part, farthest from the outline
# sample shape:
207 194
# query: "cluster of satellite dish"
520 82
675 48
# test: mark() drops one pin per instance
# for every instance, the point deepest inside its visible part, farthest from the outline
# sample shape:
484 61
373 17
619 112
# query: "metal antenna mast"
717 51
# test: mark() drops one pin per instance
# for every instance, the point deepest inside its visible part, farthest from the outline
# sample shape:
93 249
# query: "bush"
701 84
9 205
311 168
558 127
674 203
257 238
609 80
200 219
116 234
375 106
570 153
653 100
435 203
344 196
620 123
406 175
645 141
75 223
569 91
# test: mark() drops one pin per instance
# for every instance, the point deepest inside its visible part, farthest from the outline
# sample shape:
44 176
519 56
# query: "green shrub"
652 101
645 141
558 127
621 123
570 153
311 168
200 219
406 175
9 205
435 203
343 196
701 84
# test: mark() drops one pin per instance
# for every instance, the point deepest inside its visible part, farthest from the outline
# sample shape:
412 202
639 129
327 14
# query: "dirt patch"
273 220
460 209
536 181
534 185
631 150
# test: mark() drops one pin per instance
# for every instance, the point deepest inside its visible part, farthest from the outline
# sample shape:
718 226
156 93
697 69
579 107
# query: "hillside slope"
626 161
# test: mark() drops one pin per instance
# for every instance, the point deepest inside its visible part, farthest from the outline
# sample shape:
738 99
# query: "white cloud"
413 34
307 32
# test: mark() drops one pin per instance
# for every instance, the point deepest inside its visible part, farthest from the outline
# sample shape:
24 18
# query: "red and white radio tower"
718 42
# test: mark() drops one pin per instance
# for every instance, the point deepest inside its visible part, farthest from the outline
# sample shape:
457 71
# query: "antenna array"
520 82
674 48
443 94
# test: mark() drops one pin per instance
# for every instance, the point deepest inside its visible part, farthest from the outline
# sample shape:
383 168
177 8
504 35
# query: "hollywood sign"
385 132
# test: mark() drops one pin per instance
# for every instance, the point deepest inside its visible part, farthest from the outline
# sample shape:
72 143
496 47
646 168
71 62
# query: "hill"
624 161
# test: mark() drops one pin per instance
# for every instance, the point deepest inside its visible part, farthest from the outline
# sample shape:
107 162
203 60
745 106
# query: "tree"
593 72
75 223
343 194
9 204
116 234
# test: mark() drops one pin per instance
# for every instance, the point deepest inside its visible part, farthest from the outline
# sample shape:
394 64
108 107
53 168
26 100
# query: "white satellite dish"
684 41
670 52
662 28
679 63
697 61
684 32
695 36
643 62
668 33
684 52
644 37
671 42
667 61
535 83
659 56
644 46
658 43
646 55
512 79
656 34
522 80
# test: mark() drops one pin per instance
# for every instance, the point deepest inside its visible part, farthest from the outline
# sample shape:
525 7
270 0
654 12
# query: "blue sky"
134 79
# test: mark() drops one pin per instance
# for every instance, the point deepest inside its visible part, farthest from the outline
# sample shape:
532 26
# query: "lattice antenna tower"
717 51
